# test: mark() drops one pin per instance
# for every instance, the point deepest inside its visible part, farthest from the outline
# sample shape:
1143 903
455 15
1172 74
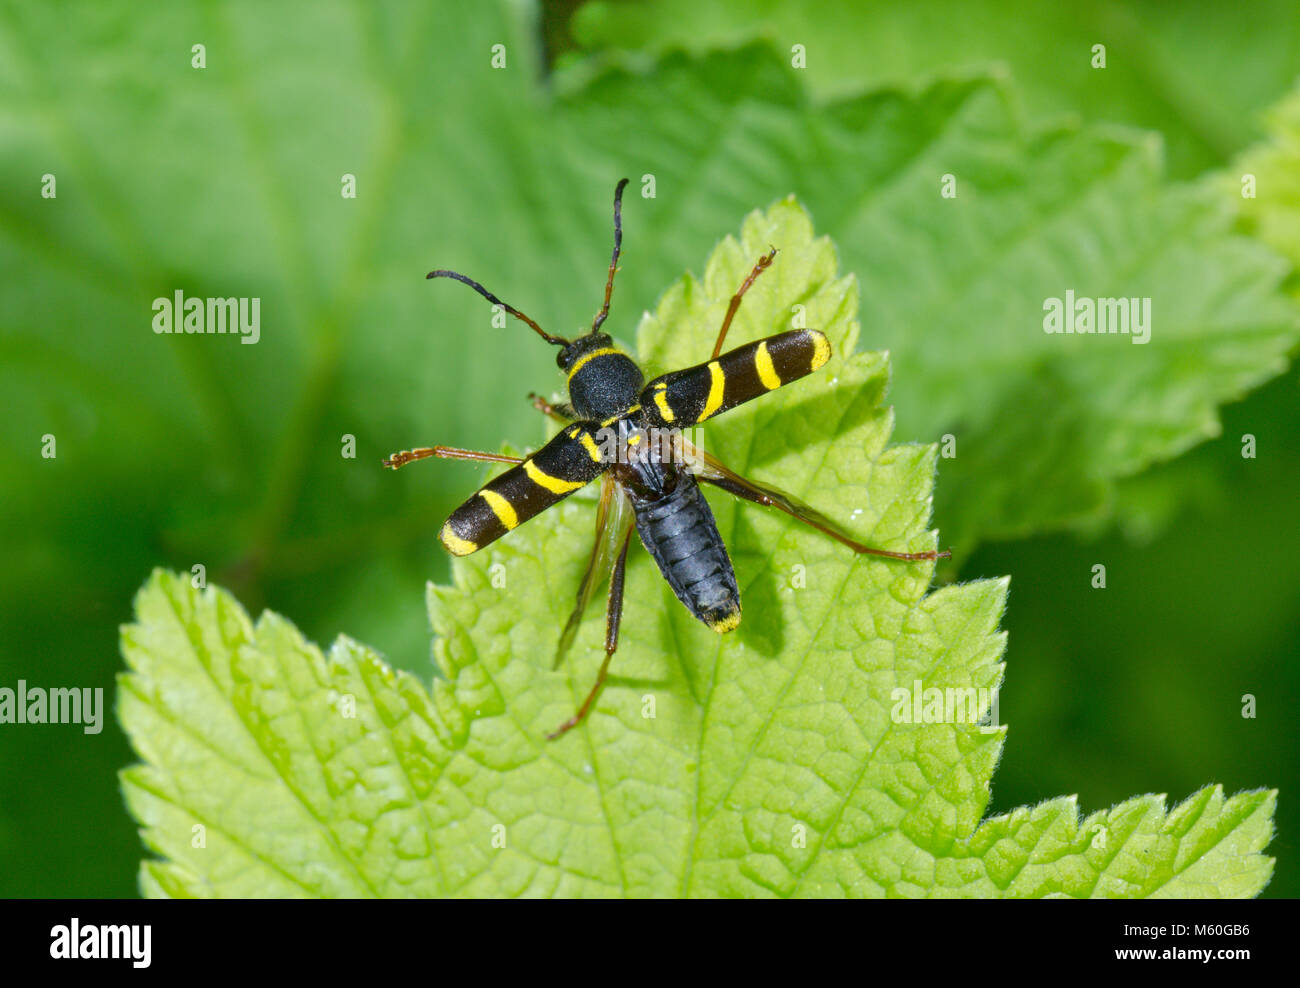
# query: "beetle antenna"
554 340
613 264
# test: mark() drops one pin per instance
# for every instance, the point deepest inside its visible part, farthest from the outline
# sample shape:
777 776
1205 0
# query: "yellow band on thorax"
589 356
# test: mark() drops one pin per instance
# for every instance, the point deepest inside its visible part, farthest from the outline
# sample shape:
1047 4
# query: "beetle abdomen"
679 531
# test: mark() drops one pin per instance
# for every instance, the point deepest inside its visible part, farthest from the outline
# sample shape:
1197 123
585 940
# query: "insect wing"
614 518
709 468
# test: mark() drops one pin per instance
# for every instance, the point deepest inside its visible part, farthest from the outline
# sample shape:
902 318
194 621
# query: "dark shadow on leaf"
760 625
825 410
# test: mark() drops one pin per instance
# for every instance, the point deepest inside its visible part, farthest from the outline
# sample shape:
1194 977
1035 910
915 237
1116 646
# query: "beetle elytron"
629 434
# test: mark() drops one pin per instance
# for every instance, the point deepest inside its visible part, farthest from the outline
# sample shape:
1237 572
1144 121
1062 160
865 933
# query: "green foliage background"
225 182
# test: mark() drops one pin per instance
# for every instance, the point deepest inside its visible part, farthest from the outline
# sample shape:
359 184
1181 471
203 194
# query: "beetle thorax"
604 382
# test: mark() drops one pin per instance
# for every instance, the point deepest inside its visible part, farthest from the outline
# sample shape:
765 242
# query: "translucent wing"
709 468
614 519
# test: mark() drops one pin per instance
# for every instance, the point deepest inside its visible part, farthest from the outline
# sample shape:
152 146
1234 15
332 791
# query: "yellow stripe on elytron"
592 449
729 623
714 401
589 356
556 485
766 372
503 509
661 399
614 418
454 543
821 348
634 439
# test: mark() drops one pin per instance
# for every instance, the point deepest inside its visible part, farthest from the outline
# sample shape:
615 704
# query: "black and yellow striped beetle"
629 434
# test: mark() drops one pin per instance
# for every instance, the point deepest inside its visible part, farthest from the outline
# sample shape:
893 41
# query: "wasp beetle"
628 434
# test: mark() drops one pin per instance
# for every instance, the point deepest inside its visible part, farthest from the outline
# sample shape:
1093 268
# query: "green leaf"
1188 70
1264 182
1272 212
776 760
1207 847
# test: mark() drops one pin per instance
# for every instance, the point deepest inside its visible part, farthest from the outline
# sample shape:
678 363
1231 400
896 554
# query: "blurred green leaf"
1272 211
1193 71
776 762
1265 182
